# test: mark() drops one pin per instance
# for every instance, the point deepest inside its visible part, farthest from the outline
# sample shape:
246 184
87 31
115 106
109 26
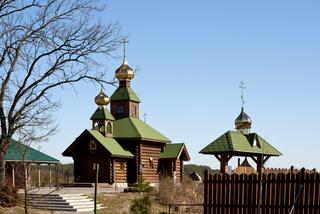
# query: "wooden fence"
265 194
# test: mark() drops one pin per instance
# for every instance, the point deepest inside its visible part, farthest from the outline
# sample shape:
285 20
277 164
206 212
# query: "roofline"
30 161
183 147
122 156
140 138
114 100
238 153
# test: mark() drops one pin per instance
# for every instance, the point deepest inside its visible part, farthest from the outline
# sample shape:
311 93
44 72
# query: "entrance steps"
62 202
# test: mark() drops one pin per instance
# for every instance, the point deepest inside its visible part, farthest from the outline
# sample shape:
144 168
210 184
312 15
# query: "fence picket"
240 194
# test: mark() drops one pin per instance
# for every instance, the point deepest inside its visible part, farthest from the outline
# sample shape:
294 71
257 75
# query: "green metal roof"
19 152
102 114
173 151
124 93
234 142
110 144
133 128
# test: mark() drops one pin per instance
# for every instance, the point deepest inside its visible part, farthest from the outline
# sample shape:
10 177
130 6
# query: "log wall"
120 171
150 153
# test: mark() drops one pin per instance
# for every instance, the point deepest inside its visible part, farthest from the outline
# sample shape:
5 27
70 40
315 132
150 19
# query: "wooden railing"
285 193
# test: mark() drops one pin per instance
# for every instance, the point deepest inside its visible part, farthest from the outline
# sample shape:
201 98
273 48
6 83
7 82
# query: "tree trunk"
2 170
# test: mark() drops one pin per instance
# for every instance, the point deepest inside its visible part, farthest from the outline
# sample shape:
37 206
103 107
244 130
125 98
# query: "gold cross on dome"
124 42
242 90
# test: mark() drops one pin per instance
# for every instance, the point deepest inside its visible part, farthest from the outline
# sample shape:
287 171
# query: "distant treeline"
188 169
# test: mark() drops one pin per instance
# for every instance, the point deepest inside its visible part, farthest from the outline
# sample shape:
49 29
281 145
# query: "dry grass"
116 202
20 210
185 193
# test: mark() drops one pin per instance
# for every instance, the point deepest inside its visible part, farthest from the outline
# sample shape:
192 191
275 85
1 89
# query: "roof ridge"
134 126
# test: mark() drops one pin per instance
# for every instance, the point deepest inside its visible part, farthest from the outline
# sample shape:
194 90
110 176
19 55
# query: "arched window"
109 128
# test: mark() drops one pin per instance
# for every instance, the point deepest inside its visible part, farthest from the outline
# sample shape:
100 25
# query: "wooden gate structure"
266 194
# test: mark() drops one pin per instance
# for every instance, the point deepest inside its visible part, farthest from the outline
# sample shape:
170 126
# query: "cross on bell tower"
124 42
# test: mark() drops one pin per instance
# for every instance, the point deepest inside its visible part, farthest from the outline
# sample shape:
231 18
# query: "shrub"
142 186
141 205
8 196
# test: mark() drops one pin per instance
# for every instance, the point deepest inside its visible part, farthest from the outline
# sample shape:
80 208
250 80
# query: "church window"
151 162
109 128
134 111
122 166
120 109
92 145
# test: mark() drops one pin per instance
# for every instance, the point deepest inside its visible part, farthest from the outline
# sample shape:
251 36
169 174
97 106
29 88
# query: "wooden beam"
39 175
217 156
255 160
229 157
266 159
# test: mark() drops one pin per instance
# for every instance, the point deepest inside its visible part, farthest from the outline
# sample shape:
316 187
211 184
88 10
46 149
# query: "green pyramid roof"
124 93
133 128
110 144
173 151
19 152
234 142
101 114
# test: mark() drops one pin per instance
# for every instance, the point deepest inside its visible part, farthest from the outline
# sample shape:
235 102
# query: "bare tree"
45 45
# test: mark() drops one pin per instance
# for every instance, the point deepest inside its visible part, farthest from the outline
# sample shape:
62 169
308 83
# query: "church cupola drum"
124 101
102 120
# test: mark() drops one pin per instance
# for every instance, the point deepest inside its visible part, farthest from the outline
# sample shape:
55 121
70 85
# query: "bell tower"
102 120
124 101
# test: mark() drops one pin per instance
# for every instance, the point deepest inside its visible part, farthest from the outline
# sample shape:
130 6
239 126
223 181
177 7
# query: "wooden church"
124 146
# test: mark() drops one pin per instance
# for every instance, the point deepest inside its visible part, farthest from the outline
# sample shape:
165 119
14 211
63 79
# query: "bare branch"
46 45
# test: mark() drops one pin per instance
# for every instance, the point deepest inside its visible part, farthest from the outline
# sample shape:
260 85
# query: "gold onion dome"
124 72
243 121
101 99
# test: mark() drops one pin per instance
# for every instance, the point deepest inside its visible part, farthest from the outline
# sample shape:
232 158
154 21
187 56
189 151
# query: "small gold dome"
243 121
101 99
124 72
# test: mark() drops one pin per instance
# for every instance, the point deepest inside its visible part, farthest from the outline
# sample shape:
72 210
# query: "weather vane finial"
124 42
145 117
242 90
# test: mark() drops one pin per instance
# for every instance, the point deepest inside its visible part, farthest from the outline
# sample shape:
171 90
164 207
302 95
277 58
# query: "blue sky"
191 56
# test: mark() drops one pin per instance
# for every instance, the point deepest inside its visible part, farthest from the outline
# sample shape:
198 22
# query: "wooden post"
57 175
260 163
96 168
13 174
50 176
224 159
39 176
